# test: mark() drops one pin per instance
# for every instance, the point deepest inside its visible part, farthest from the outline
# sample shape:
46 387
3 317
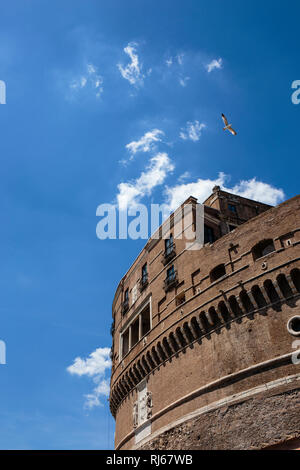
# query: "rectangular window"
209 236
135 332
171 273
125 343
139 327
144 274
145 319
169 245
126 296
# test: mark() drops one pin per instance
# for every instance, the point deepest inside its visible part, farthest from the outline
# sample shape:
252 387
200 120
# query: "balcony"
125 307
143 282
171 281
169 254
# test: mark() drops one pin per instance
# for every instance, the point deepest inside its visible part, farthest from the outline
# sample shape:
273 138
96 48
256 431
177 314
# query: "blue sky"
113 101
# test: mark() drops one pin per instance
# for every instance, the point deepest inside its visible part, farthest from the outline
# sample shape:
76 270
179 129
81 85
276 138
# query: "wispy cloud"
95 367
202 188
192 131
184 81
145 143
133 71
89 79
214 64
179 58
186 175
130 193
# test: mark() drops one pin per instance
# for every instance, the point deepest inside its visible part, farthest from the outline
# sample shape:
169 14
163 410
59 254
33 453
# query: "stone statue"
149 404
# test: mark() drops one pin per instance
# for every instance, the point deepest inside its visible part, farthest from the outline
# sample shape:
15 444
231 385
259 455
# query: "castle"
205 352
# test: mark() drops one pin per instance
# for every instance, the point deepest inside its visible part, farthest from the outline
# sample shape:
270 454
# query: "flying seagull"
228 126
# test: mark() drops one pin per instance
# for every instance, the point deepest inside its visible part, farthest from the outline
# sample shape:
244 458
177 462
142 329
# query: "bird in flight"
228 126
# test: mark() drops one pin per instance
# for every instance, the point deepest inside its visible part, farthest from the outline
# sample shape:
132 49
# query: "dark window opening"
125 305
156 356
224 311
246 302
145 319
217 273
215 320
232 228
173 342
258 297
188 332
144 279
161 352
135 332
235 306
125 343
167 347
180 337
209 236
262 249
171 274
271 291
284 286
144 274
295 275
204 322
169 245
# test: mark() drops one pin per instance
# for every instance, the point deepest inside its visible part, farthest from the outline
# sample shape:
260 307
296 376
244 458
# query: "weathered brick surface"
242 342
254 424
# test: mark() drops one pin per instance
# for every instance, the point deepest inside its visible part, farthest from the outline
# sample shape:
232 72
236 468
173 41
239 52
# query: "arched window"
263 248
295 275
215 320
235 306
217 273
224 311
204 322
271 291
284 286
246 302
258 296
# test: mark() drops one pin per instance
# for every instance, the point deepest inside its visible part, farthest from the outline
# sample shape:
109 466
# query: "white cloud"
214 64
131 192
145 144
95 367
192 131
259 191
202 188
184 176
133 71
90 79
169 62
183 81
180 59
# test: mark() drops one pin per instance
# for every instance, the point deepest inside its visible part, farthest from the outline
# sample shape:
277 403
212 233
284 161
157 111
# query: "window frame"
129 323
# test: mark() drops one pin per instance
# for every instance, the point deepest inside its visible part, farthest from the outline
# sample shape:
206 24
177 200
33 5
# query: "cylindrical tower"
205 342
